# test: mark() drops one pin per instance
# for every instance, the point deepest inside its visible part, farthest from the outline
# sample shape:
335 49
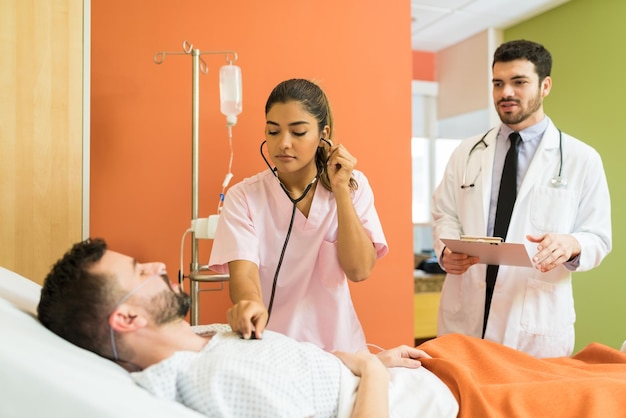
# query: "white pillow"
44 375
20 291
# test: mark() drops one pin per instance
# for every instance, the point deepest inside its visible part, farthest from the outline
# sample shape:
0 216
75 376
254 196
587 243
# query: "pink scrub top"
312 301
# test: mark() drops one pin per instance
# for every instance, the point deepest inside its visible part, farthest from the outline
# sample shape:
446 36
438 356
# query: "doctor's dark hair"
523 49
315 102
75 303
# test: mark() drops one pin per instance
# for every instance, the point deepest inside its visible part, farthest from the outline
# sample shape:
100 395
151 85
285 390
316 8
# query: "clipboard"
491 250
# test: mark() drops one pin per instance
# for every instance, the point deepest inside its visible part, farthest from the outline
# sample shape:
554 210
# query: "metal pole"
195 112
198 66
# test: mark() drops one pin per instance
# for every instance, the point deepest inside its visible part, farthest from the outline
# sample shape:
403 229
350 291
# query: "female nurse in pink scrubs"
291 235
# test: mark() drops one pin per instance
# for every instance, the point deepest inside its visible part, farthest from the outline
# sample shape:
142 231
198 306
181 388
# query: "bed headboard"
44 375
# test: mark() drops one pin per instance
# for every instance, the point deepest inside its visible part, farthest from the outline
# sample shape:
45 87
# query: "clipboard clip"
486 240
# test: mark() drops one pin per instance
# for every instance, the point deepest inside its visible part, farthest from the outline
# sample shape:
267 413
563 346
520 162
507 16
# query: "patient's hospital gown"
280 377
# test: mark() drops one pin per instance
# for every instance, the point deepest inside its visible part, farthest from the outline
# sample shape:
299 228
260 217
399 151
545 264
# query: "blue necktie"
506 201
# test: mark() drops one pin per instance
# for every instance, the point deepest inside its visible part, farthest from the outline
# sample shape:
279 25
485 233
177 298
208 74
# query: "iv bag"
230 92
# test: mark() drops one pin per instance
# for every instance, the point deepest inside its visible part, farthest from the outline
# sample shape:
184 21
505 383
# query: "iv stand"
198 65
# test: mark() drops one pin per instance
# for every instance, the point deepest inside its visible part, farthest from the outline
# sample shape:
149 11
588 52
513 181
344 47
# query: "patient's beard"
169 306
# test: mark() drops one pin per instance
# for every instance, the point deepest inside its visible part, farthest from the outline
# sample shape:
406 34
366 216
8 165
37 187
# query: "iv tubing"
229 175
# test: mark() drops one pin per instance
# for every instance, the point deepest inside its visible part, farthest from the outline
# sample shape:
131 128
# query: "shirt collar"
531 134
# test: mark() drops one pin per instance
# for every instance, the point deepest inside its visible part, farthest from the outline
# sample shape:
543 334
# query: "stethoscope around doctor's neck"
320 169
556 181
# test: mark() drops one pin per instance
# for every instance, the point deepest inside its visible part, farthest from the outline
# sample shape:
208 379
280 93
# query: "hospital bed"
42 375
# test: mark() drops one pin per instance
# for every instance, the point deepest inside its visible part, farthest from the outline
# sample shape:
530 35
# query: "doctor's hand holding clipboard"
552 251
456 263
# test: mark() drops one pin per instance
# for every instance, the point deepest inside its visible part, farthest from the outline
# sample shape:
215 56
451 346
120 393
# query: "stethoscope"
556 181
293 215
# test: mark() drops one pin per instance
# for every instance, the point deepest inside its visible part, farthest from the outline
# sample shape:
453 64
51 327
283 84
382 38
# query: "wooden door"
41 132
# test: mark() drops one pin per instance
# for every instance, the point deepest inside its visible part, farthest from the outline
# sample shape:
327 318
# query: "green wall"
587 40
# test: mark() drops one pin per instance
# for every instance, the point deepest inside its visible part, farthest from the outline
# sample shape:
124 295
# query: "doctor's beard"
525 111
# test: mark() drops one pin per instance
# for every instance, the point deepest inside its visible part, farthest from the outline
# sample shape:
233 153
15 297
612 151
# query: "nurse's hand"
247 316
457 263
553 250
339 166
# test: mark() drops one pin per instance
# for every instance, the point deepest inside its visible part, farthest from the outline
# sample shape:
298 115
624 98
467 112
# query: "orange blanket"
491 380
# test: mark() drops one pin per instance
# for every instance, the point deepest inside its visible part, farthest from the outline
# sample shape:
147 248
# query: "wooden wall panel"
41 106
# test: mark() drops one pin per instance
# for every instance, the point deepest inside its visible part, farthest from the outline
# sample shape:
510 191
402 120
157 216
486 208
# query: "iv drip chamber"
230 92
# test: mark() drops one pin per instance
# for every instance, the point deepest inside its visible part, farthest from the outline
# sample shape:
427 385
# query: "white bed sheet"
43 375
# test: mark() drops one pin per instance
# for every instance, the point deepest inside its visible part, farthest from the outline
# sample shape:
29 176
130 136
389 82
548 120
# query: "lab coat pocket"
548 308
328 268
553 209
452 294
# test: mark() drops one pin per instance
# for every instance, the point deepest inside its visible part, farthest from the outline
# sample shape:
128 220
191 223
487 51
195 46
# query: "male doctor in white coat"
562 212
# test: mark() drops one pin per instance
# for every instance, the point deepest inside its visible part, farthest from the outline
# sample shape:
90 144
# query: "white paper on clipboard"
501 254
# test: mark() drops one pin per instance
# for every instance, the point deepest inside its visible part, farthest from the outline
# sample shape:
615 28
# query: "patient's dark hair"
76 303
528 50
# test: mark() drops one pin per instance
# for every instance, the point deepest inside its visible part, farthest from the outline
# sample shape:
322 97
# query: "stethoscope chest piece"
558 181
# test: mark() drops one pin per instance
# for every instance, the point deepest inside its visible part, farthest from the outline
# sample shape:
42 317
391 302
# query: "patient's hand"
372 397
402 356
362 362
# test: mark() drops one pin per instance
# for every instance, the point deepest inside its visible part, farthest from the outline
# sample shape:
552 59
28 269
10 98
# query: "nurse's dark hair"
315 102
76 303
523 49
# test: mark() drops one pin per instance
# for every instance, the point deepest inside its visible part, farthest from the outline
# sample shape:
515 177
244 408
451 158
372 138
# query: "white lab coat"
530 311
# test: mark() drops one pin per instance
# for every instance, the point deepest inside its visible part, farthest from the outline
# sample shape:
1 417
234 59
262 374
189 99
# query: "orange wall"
424 66
141 123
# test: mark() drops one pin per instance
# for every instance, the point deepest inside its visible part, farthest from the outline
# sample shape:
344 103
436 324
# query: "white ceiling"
437 24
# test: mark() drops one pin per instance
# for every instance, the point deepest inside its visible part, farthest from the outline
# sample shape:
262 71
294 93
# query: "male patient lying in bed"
130 313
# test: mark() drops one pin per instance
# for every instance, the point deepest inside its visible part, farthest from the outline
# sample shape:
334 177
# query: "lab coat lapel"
543 160
486 164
